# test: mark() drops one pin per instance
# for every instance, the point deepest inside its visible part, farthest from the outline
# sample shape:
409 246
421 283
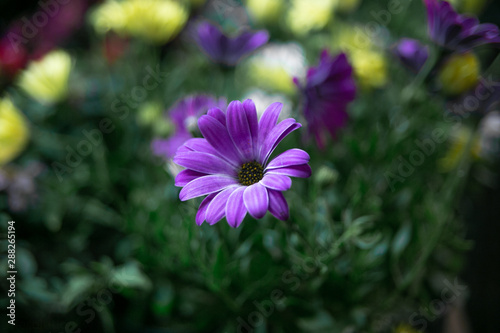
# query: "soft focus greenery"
109 246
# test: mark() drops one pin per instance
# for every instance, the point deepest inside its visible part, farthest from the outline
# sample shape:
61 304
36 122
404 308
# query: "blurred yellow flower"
368 61
458 144
469 6
265 11
14 132
151 114
305 16
46 80
370 68
275 66
157 21
459 73
347 6
405 328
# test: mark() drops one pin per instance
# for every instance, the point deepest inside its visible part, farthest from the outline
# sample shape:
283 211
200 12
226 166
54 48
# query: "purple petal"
299 171
276 182
206 185
208 34
289 158
239 129
268 120
205 163
278 205
217 208
216 134
235 208
253 123
278 133
167 147
218 114
185 176
256 200
202 145
202 210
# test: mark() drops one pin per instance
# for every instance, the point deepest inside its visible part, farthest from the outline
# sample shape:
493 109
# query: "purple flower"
228 50
411 53
231 164
328 90
184 115
457 32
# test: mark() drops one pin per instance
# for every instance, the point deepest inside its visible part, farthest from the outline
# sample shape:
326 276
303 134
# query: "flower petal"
217 135
239 129
276 182
167 147
289 158
202 210
256 200
235 208
185 176
299 171
206 185
253 123
217 208
268 120
278 133
278 205
205 163
202 145
217 114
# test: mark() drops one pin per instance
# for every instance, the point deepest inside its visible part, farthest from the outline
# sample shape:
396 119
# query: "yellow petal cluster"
459 141
46 80
265 11
14 132
157 21
459 73
368 60
305 16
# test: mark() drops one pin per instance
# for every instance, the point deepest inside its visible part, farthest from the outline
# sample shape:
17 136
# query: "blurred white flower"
275 66
489 135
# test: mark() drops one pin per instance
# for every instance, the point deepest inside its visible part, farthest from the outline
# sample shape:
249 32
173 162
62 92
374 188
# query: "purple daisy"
228 50
328 90
231 164
184 115
411 53
457 32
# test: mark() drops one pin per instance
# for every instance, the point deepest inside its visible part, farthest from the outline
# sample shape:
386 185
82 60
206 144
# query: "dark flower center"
250 173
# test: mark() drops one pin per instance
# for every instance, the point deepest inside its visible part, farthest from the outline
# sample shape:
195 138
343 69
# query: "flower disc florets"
250 173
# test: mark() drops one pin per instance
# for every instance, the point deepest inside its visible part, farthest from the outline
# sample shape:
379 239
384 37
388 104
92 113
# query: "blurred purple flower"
231 164
184 116
228 50
19 184
411 53
329 88
457 32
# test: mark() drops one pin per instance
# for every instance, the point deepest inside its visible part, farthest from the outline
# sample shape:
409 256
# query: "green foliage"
109 245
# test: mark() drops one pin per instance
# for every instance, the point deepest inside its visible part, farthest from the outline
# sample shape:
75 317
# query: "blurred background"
374 243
